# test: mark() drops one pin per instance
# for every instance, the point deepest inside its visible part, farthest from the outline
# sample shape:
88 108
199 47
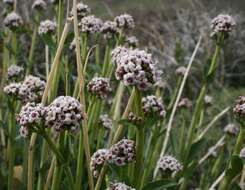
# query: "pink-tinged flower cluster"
98 159
106 122
239 109
47 27
224 24
122 152
15 72
153 105
109 29
31 89
12 89
13 21
119 186
135 67
90 24
124 21
99 87
39 5
169 164
30 115
64 113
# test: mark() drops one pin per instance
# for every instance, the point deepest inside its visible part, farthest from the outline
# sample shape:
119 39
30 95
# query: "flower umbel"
64 113
13 21
100 87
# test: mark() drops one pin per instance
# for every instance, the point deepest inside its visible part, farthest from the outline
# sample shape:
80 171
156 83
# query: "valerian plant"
95 114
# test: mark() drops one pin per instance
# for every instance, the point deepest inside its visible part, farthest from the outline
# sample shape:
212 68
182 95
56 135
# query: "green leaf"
195 148
236 166
160 185
190 169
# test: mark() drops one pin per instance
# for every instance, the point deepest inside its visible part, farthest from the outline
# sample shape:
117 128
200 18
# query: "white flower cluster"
14 72
231 129
64 113
109 29
223 23
135 67
169 163
13 21
47 27
132 41
119 186
39 5
30 114
118 52
122 152
119 154
185 103
105 121
100 87
31 89
12 89
82 10
124 21
208 99
180 71
90 24
97 160
153 104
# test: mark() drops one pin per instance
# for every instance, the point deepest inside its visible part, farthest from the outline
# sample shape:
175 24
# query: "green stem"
11 150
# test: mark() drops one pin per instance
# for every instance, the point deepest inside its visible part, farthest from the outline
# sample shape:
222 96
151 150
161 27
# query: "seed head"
97 161
122 152
135 68
100 87
222 24
169 164
153 105
47 27
31 90
208 100
180 71
119 186
185 103
124 21
109 29
39 5
90 24
13 21
106 122
242 153
15 72
231 129
64 113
